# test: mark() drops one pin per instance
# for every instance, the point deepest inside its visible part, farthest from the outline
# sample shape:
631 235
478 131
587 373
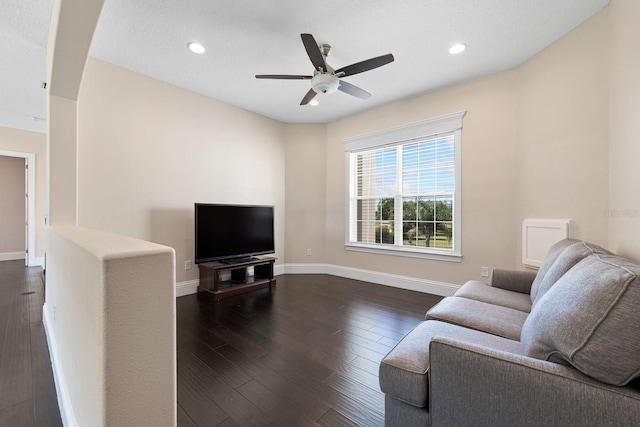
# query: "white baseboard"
37 262
186 288
11 256
306 268
393 280
403 282
62 392
278 269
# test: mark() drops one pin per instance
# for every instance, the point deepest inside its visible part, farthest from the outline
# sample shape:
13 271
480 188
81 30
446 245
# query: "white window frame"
413 132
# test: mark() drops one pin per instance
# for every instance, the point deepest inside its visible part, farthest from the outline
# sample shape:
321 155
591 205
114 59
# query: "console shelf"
219 280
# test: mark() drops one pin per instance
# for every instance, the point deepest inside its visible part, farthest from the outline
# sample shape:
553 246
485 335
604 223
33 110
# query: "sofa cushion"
590 318
493 319
569 257
479 291
552 254
403 371
513 280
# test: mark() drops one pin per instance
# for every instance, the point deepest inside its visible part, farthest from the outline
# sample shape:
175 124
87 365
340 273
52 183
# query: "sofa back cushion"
567 258
549 259
591 319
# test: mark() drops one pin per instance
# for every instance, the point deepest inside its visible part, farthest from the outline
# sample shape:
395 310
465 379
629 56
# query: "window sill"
405 252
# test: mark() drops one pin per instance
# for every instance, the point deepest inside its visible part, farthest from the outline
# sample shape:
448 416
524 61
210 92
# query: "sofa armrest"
471 385
513 280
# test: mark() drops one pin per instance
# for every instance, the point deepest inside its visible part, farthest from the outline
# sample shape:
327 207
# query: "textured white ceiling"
24 28
244 38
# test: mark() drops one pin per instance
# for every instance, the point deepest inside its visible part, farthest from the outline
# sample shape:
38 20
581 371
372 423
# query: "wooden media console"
219 280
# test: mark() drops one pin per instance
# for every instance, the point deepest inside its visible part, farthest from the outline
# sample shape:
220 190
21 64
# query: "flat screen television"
232 232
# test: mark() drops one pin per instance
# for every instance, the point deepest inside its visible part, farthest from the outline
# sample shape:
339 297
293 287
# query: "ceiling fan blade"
313 51
353 90
283 77
369 64
308 97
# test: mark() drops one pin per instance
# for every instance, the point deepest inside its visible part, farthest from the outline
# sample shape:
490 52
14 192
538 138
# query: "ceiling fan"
325 79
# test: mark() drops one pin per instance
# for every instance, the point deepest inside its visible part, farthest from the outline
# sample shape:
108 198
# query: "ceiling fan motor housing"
325 83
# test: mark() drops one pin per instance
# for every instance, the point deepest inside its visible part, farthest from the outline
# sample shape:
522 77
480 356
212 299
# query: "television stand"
238 260
219 280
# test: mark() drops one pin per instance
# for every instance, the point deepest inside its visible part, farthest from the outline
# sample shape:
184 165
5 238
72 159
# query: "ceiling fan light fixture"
457 48
196 47
325 83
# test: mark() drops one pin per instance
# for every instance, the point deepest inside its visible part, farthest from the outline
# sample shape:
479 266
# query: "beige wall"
148 151
534 145
624 130
562 131
35 143
111 323
110 303
12 205
488 187
305 154
62 150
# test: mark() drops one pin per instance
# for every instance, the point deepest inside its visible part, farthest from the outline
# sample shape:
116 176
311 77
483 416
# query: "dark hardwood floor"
305 353
27 390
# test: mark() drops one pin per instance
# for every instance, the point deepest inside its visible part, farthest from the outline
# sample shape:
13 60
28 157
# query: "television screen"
225 232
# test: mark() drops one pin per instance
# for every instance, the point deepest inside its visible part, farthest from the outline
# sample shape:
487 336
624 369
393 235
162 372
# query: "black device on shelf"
232 232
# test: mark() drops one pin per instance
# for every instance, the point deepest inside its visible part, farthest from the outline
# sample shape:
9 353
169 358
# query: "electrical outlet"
484 271
308 252
187 265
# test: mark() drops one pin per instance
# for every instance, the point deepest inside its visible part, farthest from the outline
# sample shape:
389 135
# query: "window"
404 190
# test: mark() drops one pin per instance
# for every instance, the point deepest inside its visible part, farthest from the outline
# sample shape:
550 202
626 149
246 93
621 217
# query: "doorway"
25 225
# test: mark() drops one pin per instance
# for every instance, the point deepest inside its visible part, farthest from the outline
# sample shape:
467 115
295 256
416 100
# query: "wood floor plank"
298 397
312 368
197 332
352 408
229 422
331 359
243 412
389 342
15 366
239 342
376 346
186 422
388 333
353 373
366 365
226 370
358 391
280 410
45 402
334 418
192 395
343 320
181 412
19 415
360 349
306 353
26 376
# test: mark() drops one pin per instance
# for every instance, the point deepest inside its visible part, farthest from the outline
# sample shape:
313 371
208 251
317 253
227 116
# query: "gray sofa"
560 347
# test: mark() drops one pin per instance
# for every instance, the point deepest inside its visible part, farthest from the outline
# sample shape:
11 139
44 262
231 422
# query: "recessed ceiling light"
196 47
457 48
314 102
